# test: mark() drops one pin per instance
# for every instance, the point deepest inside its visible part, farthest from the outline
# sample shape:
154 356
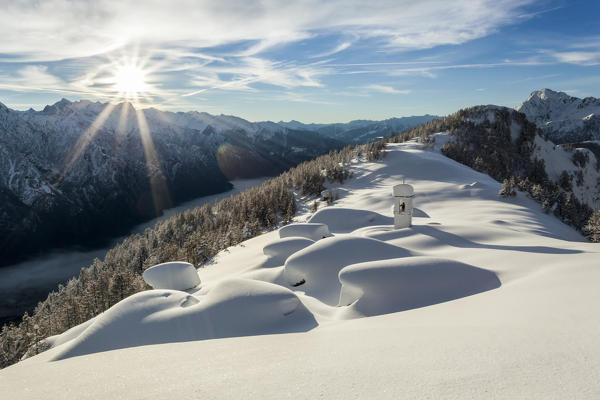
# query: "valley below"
26 283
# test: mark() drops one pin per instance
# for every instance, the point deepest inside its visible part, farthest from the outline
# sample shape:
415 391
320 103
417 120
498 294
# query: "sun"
130 81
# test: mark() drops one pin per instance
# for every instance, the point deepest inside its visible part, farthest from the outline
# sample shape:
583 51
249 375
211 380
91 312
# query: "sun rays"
85 139
126 82
158 183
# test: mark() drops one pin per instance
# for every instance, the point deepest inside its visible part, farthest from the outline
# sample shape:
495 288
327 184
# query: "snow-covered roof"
403 190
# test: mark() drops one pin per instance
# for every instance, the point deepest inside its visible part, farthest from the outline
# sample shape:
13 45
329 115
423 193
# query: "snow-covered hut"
403 205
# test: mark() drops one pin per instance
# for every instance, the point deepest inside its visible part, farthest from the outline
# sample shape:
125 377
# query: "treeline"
195 236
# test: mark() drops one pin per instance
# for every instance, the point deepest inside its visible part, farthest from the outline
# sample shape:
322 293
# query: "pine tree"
564 181
315 207
592 228
508 188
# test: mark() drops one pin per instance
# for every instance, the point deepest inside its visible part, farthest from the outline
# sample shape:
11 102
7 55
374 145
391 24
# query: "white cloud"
60 29
337 49
578 57
252 70
35 78
37 75
386 89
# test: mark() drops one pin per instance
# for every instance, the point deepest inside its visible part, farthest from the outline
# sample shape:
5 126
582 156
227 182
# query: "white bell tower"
403 205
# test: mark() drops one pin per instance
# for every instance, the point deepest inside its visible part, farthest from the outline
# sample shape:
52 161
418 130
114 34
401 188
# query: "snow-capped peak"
548 94
563 118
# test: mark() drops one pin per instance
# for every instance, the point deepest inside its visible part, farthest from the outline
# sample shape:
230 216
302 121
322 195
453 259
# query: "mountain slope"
63 170
563 118
538 321
503 143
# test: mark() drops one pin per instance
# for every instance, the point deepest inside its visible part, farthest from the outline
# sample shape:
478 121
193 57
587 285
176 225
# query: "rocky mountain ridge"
563 118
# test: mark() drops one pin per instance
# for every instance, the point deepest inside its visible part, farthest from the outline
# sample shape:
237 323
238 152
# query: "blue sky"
314 61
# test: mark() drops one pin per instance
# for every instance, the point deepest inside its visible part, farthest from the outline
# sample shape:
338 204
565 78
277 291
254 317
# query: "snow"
319 264
313 231
561 116
172 275
498 301
557 160
283 248
344 220
235 307
381 287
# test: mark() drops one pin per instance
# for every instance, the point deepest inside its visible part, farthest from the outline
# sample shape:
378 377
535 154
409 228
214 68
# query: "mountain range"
64 169
362 131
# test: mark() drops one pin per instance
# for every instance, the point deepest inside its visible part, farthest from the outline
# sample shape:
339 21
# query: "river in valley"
24 284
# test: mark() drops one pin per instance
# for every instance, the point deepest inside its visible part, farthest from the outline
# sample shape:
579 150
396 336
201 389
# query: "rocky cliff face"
563 118
79 171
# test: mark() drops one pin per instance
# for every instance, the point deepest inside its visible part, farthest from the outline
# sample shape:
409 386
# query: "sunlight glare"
130 81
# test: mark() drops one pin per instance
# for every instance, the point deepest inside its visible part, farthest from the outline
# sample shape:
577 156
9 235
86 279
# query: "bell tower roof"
403 190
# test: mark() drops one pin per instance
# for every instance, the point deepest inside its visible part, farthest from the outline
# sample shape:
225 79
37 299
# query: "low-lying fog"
24 284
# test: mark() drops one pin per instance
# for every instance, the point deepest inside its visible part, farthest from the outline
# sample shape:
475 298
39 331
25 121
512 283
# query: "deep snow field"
482 297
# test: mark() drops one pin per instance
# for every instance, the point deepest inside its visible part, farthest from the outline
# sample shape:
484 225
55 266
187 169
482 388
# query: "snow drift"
312 231
283 248
345 220
319 264
234 307
386 286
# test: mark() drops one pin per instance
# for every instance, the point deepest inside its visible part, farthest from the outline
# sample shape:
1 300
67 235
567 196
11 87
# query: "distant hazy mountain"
362 131
49 197
563 118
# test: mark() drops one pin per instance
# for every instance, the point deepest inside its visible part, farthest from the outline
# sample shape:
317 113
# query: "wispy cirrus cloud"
340 47
59 29
385 89
37 78
243 73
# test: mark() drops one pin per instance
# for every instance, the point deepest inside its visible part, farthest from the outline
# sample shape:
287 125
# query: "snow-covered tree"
508 188
592 228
